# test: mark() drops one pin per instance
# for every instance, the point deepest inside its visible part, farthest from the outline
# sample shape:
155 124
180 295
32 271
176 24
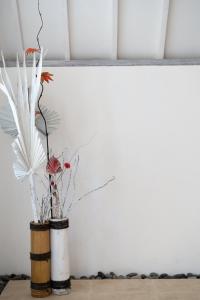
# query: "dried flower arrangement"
26 121
29 123
25 130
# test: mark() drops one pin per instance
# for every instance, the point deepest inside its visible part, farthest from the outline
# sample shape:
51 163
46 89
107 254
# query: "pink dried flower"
53 166
67 165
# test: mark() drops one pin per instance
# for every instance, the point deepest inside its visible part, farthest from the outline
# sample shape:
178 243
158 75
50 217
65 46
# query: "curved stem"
45 122
38 34
47 139
42 90
38 41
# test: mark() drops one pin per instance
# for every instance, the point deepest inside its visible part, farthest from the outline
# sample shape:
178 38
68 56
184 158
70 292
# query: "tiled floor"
127 289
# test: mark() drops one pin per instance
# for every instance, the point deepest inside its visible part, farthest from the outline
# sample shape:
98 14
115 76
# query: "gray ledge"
109 62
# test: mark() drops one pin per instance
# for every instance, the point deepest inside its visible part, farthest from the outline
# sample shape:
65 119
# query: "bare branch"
75 172
92 191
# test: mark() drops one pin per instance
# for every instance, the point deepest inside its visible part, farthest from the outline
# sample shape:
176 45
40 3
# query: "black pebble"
153 275
101 274
179 276
108 276
113 275
163 276
131 275
25 277
191 275
5 277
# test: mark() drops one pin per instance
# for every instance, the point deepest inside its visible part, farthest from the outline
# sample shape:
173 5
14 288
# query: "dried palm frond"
28 148
8 125
51 117
7 122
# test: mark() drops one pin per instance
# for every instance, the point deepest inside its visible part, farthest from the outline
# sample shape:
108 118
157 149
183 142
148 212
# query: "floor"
125 289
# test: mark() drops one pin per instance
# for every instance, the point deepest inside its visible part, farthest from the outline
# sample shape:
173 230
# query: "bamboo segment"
40 260
60 272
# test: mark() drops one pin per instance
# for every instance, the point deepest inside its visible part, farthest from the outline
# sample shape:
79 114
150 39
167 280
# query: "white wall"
146 122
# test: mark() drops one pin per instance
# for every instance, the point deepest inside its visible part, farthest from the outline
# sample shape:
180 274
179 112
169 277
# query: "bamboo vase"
40 260
60 273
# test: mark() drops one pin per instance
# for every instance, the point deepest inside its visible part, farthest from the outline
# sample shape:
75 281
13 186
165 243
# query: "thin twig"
42 181
92 191
76 162
68 185
75 172
96 189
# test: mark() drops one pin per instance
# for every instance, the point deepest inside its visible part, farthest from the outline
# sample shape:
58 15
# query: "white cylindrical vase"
60 271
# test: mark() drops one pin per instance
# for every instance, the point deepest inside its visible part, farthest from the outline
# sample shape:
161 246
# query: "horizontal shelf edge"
113 63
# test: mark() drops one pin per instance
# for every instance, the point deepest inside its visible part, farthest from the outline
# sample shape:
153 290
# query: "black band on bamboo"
65 284
40 286
41 256
59 224
39 227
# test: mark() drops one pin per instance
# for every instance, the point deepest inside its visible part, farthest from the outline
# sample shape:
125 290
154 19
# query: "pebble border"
100 275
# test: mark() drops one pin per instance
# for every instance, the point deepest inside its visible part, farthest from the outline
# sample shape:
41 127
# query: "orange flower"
46 76
31 50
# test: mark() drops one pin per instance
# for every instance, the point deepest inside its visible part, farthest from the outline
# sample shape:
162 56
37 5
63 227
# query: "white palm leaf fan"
52 120
27 146
7 122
